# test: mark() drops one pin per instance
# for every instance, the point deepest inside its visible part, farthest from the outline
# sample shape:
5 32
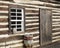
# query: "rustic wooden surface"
32 24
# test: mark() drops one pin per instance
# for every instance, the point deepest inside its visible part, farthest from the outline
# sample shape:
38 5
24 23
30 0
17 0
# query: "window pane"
19 10
18 26
13 22
18 29
19 22
19 18
13 10
13 14
14 18
19 14
13 26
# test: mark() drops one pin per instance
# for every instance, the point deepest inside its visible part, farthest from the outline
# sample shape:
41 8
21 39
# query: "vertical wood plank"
45 26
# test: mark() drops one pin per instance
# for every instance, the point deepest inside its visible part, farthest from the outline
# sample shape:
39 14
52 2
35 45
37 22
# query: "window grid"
17 19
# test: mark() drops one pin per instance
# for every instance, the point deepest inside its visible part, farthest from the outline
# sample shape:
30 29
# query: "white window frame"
22 19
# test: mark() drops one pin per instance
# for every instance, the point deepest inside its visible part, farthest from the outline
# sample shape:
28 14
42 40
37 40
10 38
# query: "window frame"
22 16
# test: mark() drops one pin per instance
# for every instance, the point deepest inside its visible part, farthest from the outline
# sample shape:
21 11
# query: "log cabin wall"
32 24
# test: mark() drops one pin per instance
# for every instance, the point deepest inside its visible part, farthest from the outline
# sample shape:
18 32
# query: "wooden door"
45 26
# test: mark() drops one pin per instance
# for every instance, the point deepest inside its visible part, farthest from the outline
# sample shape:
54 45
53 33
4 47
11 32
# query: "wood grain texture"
45 26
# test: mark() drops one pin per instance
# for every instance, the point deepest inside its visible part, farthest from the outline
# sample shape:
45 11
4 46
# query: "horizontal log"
56 29
35 46
3 26
32 24
3 19
3 23
35 42
56 25
56 37
13 42
56 11
3 16
55 40
4 32
55 19
3 29
4 12
3 9
31 20
2 47
32 30
15 45
3 6
36 37
31 17
31 13
56 33
34 9
55 14
2 44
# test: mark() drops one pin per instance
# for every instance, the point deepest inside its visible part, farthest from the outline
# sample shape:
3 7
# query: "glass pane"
19 22
13 26
18 29
19 14
13 10
18 26
13 18
19 10
19 18
13 14
13 22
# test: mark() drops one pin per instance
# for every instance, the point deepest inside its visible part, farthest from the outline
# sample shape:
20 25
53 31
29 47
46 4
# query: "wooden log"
56 33
4 20
3 26
3 23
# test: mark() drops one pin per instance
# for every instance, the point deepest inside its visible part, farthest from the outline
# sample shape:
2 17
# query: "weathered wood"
4 20
4 32
45 26
31 23
3 26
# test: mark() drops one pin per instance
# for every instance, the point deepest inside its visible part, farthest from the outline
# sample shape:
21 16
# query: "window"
17 19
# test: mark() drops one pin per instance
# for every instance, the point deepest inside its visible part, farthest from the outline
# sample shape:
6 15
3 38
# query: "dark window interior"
19 14
18 10
14 18
13 10
13 14
18 22
18 29
18 25
19 18
13 22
